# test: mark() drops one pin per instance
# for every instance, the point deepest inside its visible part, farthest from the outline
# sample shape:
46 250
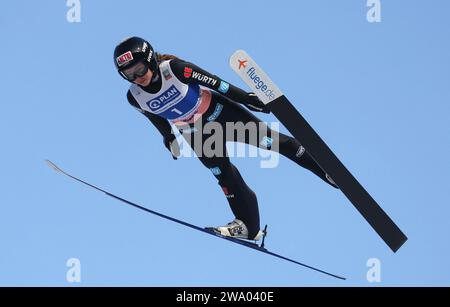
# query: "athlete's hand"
255 104
172 145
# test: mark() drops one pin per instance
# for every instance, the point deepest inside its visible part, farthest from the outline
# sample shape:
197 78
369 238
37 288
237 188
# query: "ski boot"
236 229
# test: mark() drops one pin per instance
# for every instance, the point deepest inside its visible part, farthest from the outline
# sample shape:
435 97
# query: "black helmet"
133 50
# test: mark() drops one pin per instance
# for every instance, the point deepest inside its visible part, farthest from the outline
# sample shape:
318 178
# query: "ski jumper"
183 94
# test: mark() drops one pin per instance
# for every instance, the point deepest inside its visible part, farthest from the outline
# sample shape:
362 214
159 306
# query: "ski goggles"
138 70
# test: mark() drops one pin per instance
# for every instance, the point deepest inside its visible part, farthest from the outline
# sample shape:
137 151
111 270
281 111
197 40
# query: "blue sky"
378 93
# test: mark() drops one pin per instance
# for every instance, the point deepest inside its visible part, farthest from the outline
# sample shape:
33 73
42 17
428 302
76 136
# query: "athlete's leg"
240 197
266 137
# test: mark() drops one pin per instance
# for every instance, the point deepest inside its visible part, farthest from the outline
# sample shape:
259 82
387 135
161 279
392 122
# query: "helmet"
131 51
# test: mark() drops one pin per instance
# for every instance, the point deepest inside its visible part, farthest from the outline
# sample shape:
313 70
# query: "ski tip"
239 52
53 166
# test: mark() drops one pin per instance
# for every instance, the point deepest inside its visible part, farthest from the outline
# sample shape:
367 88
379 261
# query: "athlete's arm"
160 123
190 73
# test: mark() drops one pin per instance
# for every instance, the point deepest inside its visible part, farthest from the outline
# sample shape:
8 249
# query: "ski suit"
186 96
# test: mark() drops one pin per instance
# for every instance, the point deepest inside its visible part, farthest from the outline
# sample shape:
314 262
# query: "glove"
172 145
253 103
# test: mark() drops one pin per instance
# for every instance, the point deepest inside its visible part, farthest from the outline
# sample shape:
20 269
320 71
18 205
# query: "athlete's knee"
218 166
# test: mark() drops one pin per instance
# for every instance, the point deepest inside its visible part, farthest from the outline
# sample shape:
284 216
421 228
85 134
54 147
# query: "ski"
209 231
288 115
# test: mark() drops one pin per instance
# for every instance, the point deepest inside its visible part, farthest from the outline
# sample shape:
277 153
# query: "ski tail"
383 225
